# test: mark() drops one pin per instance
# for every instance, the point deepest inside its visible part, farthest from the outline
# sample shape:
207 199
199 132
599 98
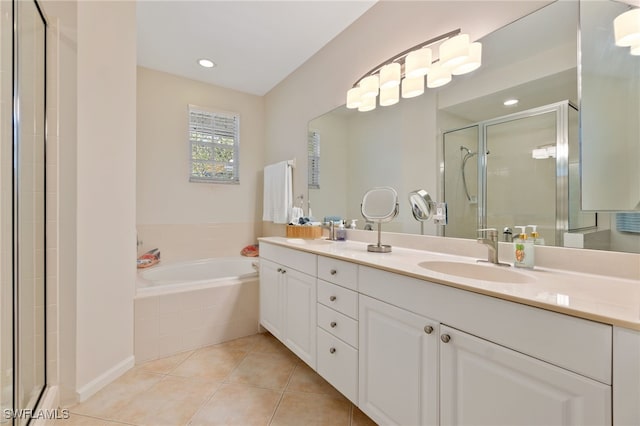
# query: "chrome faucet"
331 226
491 241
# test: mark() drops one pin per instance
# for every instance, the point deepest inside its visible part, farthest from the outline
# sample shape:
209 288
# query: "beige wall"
387 28
171 211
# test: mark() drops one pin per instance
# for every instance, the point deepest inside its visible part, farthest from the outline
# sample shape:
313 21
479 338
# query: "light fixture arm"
404 53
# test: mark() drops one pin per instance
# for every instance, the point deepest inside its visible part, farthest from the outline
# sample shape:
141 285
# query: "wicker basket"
306 232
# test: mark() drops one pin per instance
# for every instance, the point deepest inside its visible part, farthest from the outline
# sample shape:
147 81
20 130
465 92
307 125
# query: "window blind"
313 146
214 142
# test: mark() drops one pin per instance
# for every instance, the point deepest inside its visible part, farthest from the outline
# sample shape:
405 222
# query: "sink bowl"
478 271
305 242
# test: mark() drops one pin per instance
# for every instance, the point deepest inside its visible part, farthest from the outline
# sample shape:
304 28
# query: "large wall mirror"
465 147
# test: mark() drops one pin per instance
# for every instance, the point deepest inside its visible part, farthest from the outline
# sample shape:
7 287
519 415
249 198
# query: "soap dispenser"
535 236
353 224
341 232
523 250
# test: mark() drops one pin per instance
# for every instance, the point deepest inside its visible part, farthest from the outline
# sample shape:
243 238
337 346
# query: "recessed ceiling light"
510 102
207 63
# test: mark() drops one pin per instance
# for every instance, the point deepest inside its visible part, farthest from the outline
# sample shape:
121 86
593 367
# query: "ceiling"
255 44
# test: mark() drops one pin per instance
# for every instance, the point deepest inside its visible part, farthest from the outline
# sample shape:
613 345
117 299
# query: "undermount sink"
306 242
478 271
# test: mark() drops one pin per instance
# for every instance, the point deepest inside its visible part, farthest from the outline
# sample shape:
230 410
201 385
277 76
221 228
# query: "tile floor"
254 380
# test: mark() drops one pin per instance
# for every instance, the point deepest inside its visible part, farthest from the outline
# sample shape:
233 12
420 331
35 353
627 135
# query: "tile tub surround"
171 323
606 299
173 391
197 241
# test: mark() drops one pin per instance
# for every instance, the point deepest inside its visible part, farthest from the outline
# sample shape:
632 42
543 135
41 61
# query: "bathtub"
186 305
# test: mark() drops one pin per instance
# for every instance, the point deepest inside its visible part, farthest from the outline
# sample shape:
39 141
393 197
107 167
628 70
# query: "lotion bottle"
535 236
523 250
341 233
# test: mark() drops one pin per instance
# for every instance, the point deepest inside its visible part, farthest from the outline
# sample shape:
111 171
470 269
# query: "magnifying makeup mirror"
380 205
421 207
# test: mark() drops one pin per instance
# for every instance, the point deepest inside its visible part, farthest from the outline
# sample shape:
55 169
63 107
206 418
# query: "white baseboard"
86 391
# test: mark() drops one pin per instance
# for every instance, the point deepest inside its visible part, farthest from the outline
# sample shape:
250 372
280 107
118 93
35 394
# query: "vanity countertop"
614 301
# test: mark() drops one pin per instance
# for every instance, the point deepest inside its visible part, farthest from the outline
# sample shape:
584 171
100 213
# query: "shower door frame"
561 110
16 147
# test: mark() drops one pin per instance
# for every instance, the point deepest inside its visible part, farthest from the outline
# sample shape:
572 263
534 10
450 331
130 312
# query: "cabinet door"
300 314
398 365
270 297
483 383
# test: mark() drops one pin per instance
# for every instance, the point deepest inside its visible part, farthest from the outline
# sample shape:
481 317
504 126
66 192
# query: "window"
214 142
313 146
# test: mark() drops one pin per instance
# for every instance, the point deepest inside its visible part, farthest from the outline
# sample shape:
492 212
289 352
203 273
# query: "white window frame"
313 152
197 131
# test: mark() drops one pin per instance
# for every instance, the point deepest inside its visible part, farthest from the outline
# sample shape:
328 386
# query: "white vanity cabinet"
398 365
512 364
482 383
288 299
338 325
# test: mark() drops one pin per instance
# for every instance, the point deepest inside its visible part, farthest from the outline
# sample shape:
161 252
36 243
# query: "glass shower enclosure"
22 209
520 169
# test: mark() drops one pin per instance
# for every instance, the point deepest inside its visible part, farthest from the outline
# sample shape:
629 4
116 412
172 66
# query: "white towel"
278 194
296 214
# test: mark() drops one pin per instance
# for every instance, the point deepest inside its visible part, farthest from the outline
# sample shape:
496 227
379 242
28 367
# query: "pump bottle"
535 236
523 250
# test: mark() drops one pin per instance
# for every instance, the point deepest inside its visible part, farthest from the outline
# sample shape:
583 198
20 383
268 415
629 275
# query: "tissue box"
306 232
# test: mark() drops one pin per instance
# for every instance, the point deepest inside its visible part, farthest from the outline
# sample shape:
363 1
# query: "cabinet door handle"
333 324
333 272
445 338
428 329
332 350
279 269
284 271
332 298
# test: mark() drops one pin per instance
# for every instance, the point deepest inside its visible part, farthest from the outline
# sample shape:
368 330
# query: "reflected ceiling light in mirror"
408 69
206 63
412 87
510 102
438 76
626 28
390 75
418 63
368 104
389 96
635 50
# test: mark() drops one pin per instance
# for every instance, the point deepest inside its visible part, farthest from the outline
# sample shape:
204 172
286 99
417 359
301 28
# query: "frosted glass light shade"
389 76
389 95
635 50
368 104
418 62
438 76
454 51
626 28
369 87
354 99
412 87
473 62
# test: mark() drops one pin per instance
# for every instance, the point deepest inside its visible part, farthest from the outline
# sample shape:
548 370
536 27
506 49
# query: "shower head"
469 152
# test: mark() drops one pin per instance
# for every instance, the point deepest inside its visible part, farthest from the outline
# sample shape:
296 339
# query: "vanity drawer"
338 272
338 324
338 364
295 259
338 298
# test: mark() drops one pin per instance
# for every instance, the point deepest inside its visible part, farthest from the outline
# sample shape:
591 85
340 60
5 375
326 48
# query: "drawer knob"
332 298
333 272
428 329
333 324
279 269
284 271
445 338
332 350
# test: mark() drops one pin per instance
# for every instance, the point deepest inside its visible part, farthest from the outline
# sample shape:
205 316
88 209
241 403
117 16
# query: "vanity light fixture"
510 102
405 72
626 28
206 63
